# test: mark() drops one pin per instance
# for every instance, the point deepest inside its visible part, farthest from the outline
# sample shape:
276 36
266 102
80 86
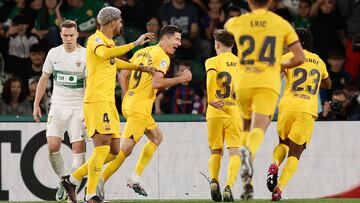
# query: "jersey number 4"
303 77
268 44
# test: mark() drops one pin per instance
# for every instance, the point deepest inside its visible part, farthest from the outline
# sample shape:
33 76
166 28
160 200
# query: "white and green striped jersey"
68 70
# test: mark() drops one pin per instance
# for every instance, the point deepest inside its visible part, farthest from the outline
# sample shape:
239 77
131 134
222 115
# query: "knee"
216 151
54 147
234 151
158 139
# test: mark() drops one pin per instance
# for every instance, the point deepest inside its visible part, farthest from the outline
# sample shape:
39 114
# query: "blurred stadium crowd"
29 28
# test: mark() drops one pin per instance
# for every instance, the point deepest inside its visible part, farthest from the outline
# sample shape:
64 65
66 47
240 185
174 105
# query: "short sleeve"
286 57
324 73
48 66
163 64
229 25
209 65
132 59
290 36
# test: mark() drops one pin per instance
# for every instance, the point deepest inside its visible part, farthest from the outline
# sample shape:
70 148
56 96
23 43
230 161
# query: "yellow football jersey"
221 74
302 84
260 37
101 73
141 95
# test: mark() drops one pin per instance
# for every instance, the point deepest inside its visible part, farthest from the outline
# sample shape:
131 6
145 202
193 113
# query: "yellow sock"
280 152
214 166
146 155
109 158
243 138
254 140
288 171
233 169
113 166
95 165
83 170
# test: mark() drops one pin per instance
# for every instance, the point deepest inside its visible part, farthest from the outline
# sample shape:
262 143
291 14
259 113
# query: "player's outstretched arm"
40 90
158 80
120 64
298 57
112 52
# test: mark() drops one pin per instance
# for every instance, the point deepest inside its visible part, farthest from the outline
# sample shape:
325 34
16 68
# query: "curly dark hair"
6 94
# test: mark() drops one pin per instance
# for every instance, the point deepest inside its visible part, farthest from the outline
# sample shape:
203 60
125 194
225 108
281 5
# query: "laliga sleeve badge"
98 41
163 63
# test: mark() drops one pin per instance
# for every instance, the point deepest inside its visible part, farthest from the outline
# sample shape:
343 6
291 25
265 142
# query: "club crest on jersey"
78 63
112 61
163 63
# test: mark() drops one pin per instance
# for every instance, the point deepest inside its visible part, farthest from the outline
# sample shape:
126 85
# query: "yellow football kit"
100 112
223 124
260 37
299 104
138 100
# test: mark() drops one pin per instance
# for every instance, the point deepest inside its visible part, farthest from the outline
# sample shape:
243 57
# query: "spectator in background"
32 10
350 9
9 10
153 25
292 6
353 92
84 14
133 14
214 19
185 16
302 20
327 27
46 22
13 98
45 100
338 109
278 7
33 69
339 77
20 40
232 11
184 98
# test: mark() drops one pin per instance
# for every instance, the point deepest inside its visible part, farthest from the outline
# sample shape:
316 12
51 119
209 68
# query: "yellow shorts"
136 125
296 126
102 117
220 129
257 100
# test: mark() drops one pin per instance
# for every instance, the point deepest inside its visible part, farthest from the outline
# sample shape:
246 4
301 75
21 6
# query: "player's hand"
326 109
186 76
144 38
217 104
37 113
148 69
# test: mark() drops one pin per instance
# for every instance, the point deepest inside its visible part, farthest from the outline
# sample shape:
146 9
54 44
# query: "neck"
36 68
70 48
223 50
51 11
107 32
14 100
178 5
161 44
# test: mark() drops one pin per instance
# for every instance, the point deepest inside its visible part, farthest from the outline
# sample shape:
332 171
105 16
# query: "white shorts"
70 120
